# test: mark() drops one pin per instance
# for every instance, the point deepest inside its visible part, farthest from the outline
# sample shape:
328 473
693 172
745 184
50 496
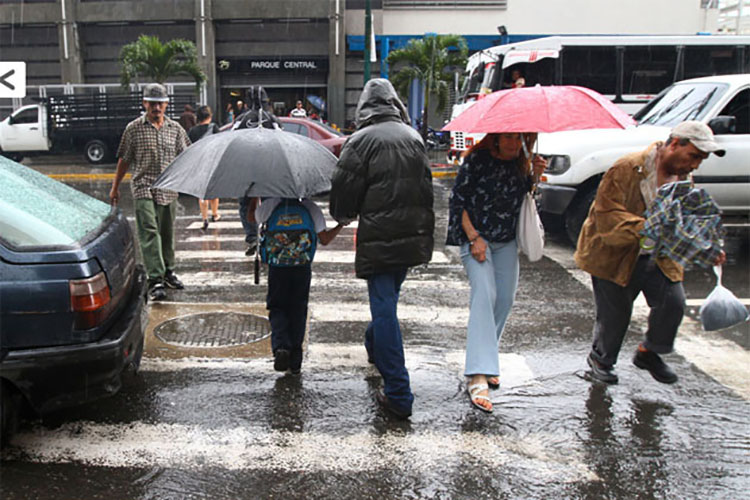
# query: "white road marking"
322 280
457 317
322 255
255 447
235 223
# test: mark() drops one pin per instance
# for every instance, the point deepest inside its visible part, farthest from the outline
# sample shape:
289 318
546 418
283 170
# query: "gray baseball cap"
699 134
155 92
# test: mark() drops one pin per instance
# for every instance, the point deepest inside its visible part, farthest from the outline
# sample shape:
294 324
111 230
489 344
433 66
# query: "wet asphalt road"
200 422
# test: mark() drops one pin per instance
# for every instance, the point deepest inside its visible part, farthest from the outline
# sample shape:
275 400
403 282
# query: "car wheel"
16 157
8 413
576 215
96 151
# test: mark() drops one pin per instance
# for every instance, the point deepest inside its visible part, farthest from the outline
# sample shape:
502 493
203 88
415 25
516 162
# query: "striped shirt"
148 151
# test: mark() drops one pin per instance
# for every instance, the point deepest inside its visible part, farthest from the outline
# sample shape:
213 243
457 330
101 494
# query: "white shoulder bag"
529 230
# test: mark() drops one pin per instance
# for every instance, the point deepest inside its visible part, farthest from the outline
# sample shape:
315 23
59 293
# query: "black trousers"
288 294
614 307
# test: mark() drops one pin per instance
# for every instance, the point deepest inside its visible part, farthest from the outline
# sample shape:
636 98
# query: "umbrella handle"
256 265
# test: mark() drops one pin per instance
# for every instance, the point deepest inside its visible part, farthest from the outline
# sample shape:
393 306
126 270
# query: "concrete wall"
684 17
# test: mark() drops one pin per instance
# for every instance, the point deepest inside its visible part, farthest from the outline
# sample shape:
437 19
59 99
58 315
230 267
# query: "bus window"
710 60
648 69
541 72
592 67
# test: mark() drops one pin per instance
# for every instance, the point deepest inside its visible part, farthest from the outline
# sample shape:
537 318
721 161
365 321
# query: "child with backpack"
291 231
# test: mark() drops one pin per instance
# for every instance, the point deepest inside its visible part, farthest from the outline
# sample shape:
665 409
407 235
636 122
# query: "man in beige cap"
149 144
609 248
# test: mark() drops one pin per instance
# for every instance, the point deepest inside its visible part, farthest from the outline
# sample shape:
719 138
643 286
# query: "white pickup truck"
87 123
578 159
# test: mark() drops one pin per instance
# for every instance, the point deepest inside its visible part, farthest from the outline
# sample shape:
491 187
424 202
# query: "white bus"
630 70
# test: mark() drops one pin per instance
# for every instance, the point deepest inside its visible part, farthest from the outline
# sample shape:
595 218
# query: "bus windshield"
689 101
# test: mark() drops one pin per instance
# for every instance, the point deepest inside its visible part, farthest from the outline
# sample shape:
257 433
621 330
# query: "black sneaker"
205 224
156 292
172 281
295 361
653 363
250 250
601 372
281 360
386 404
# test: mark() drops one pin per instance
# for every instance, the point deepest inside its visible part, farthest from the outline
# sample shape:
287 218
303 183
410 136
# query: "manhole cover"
214 329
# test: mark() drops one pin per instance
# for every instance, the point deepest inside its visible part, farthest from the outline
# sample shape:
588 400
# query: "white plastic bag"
529 230
721 308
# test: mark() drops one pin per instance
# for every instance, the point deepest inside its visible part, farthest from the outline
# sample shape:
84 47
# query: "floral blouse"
491 192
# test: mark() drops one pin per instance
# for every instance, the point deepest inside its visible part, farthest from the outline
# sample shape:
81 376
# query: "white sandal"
473 396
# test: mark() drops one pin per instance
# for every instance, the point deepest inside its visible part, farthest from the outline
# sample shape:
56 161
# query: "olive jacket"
608 246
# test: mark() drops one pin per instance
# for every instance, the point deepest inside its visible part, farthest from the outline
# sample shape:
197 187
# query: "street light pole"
368 35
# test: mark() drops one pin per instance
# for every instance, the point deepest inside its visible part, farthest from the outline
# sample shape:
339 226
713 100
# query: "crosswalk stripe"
322 255
319 280
253 447
237 224
457 317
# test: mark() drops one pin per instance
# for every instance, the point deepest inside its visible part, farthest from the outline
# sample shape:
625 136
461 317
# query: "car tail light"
88 300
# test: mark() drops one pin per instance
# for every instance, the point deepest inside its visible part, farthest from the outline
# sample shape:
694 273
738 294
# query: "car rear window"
38 211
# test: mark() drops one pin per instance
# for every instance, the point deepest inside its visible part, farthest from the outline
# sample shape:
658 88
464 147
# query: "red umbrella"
540 109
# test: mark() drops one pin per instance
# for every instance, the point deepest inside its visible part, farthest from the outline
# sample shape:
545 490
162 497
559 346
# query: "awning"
528 56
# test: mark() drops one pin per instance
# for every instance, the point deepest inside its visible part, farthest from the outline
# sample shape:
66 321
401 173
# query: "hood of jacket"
379 101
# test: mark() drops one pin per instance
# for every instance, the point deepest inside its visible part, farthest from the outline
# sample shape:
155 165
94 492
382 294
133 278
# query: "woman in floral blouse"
484 207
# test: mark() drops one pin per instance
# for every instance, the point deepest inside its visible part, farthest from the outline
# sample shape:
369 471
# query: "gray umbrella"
251 162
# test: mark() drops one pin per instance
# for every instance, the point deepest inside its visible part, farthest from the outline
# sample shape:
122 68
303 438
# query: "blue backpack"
289 237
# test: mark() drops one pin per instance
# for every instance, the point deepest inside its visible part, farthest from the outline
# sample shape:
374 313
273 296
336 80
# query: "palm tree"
428 60
149 57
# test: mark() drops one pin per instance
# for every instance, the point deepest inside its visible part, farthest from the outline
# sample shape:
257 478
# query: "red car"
329 137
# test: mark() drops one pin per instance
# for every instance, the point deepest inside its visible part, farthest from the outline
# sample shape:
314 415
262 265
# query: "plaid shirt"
149 150
685 223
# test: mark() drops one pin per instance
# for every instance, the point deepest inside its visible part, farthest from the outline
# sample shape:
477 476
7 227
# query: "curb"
441 170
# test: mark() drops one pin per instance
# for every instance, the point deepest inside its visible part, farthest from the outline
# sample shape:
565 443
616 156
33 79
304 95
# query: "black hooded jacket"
383 177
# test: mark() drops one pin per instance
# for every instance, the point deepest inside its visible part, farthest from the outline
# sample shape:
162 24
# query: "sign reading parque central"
283 64
277 64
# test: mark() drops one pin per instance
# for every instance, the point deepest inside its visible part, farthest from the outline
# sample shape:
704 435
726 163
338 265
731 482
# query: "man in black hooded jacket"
383 177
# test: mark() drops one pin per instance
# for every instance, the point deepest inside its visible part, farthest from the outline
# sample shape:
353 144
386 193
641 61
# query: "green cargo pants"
155 226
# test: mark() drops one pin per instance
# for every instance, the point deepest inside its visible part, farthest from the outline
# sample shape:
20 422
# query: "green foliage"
149 58
429 60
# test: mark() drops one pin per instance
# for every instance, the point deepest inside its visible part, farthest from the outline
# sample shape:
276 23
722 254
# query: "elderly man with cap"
149 144
610 249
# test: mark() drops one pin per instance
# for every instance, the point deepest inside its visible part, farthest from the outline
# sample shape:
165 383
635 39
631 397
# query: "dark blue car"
72 307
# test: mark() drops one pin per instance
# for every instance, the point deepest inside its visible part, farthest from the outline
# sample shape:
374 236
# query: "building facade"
309 50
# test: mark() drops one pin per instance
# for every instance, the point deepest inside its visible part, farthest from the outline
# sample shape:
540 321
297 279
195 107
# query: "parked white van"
578 159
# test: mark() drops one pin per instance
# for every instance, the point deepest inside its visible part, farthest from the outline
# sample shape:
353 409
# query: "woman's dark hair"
203 113
524 161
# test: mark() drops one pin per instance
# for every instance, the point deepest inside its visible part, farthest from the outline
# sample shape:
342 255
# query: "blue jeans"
493 290
251 228
383 339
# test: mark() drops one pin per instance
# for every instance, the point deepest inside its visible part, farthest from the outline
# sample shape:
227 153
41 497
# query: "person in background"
188 119
259 110
611 249
298 111
149 144
204 128
483 213
230 113
383 177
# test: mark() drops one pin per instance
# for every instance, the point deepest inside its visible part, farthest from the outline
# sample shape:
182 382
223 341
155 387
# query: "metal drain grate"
214 329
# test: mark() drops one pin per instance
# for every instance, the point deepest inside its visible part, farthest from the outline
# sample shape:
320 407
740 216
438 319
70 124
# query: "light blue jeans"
493 290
